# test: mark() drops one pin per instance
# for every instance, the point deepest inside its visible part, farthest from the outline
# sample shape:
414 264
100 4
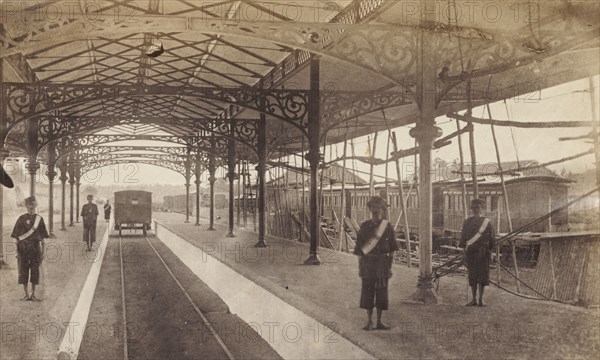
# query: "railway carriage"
133 210
177 203
529 198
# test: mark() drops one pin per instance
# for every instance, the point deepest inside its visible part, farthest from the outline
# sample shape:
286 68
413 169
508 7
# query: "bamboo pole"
522 124
595 134
371 168
303 217
473 163
416 178
321 202
342 233
462 175
354 196
245 193
387 190
505 196
552 271
255 204
402 205
549 211
498 247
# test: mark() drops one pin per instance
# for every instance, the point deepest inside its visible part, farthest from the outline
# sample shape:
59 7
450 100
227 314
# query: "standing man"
107 209
89 213
29 234
375 246
478 241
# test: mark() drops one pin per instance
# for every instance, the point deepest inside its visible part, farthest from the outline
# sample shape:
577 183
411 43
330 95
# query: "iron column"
313 157
231 175
211 180
198 182
72 182
63 180
425 133
262 169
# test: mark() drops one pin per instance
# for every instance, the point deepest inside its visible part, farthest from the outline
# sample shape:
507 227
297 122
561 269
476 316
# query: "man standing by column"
478 241
375 246
89 213
29 234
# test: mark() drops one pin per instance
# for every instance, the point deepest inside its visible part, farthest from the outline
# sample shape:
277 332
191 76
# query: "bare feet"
382 326
481 303
368 327
33 298
472 303
25 298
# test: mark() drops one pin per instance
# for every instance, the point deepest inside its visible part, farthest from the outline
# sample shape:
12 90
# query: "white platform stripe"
69 346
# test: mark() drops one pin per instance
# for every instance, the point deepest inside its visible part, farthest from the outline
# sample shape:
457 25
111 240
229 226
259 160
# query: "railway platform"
509 327
34 330
261 303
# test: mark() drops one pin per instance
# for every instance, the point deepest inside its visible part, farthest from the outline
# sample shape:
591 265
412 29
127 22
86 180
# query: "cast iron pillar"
32 150
231 176
77 186
187 200
51 173
63 180
425 135
245 180
3 155
313 157
188 176
32 167
425 132
72 182
262 169
239 196
211 180
3 152
198 182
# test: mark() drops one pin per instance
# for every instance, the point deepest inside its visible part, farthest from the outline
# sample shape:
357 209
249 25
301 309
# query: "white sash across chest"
373 241
477 236
36 223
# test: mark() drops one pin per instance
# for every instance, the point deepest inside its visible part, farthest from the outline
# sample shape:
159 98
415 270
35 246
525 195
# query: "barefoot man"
478 241
29 234
375 246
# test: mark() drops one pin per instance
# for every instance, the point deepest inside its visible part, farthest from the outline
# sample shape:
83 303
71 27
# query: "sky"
567 102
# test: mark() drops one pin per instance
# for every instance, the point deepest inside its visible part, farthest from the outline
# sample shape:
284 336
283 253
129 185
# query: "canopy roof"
90 62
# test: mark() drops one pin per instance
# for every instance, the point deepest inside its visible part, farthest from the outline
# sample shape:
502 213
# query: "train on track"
133 210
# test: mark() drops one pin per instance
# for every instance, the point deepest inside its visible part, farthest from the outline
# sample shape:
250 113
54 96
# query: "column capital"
51 173
313 157
32 166
187 184
232 175
425 133
212 179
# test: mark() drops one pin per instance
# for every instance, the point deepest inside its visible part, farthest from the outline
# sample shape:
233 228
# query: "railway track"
129 305
150 305
160 316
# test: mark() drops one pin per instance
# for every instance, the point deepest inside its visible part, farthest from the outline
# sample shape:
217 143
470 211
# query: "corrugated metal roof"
332 173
